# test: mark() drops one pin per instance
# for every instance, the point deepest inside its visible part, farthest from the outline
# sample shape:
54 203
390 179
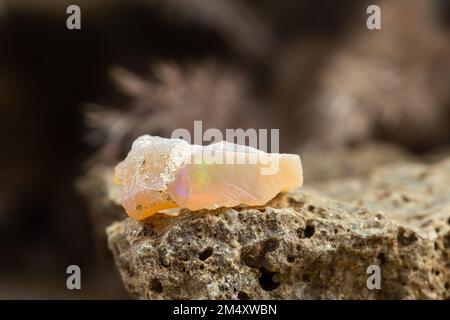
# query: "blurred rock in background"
390 84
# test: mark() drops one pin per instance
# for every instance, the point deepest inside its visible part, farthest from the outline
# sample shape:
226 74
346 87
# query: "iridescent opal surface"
160 174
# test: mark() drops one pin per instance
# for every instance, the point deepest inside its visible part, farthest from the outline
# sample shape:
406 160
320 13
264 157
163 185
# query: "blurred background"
72 101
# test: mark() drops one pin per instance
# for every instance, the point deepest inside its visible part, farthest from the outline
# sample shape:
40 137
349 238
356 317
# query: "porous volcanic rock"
413 194
299 246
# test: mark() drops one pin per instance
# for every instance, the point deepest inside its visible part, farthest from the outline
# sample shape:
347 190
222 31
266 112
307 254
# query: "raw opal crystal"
160 174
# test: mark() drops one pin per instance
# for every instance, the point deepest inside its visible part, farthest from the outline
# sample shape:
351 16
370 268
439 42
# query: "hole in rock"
406 237
266 280
243 296
290 258
447 241
205 254
270 245
381 257
308 232
156 286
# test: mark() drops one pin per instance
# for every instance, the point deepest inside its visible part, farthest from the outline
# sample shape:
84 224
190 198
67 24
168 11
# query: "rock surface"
414 194
299 246
388 210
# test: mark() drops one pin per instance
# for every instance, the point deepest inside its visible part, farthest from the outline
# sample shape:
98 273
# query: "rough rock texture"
408 192
413 194
300 246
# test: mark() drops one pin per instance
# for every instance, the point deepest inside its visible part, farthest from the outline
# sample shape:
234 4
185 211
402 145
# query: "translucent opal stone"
160 174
